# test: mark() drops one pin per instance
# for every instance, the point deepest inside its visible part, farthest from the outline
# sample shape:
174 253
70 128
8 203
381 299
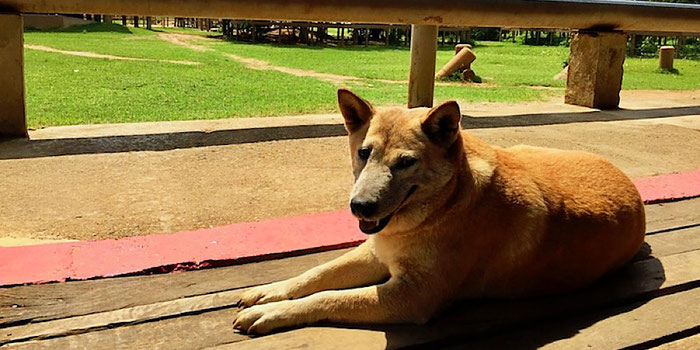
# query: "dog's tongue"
368 225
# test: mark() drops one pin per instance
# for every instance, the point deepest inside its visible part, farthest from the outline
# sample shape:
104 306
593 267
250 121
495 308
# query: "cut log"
461 60
666 57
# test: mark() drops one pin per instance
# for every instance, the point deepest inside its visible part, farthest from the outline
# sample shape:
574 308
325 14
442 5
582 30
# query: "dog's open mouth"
372 227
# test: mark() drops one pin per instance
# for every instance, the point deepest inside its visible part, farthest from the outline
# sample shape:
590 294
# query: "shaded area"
536 119
21 148
87 28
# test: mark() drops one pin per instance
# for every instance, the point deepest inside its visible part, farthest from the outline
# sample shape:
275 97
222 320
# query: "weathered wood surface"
641 280
608 15
35 303
195 309
13 120
59 300
613 328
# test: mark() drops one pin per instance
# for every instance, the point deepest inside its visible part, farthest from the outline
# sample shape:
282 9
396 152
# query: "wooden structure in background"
13 121
592 15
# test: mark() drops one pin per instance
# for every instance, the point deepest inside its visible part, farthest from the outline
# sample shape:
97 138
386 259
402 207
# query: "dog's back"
556 220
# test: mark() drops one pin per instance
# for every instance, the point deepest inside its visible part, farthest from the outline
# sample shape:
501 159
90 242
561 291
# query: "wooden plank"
614 328
674 214
690 342
639 280
612 15
421 81
471 319
36 303
13 116
202 330
674 242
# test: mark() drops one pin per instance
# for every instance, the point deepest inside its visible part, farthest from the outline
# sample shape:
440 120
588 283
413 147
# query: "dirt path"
187 40
109 57
110 195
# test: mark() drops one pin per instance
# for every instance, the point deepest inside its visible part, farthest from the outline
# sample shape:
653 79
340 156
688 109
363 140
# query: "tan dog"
454 217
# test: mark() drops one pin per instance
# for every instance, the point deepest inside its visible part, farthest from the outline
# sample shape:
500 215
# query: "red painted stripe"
669 187
230 244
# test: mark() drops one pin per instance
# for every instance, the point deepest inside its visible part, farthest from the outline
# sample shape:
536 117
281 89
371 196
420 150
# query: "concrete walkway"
110 181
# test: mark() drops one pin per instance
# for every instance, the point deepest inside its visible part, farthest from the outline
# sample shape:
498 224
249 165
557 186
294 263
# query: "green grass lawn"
65 90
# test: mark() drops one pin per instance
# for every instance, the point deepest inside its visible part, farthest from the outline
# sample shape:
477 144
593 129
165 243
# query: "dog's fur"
483 221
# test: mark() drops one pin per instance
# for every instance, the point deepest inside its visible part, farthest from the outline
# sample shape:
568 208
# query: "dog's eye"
405 162
363 153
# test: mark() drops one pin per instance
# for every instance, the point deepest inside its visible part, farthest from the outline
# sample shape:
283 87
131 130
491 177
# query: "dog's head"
401 159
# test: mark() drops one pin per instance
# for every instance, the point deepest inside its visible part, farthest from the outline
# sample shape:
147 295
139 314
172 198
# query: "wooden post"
421 81
633 44
108 18
366 36
13 117
148 22
679 45
136 21
595 69
342 36
124 20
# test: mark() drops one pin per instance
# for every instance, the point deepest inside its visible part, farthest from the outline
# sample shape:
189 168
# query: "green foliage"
64 90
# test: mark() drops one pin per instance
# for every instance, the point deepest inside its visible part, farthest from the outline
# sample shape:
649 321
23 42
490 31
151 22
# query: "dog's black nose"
363 208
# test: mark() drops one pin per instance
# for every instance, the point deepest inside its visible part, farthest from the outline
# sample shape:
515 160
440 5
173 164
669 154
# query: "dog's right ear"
355 110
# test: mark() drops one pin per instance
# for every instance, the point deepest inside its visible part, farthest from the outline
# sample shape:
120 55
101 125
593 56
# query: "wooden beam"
580 14
595 69
421 81
13 116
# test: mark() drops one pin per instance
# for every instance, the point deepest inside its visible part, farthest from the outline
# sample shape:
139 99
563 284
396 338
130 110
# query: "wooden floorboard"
643 279
35 303
687 343
613 328
59 300
673 214
194 309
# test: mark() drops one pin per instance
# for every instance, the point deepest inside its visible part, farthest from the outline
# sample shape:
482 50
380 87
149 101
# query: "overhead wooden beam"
576 14
13 119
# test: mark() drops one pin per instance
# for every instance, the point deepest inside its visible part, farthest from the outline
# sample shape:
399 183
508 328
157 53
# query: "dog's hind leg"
356 268
396 301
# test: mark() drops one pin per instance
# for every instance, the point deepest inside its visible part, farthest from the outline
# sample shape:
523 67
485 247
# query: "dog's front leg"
356 268
395 301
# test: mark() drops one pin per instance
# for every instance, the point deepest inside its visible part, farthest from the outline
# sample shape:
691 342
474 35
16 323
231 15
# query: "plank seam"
665 339
518 325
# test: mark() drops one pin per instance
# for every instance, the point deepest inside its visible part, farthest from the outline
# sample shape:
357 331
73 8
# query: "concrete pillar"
595 69
108 18
421 81
666 57
13 118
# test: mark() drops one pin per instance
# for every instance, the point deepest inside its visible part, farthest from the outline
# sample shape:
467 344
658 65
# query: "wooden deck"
653 301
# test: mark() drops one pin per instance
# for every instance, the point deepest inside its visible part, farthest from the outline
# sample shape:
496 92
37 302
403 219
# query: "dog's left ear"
441 124
355 110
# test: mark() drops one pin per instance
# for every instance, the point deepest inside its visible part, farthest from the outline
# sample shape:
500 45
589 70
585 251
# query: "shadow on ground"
22 148
532 323
87 28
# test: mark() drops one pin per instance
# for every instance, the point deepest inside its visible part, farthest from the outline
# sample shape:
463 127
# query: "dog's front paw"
263 319
266 294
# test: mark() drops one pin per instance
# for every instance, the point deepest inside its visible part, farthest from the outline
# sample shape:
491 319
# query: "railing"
576 14
610 18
